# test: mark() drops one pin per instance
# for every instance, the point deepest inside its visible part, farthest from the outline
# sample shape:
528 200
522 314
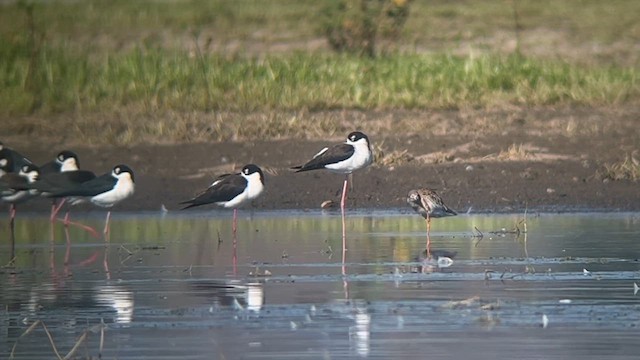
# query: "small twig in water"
69 355
125 249
479 235
11 263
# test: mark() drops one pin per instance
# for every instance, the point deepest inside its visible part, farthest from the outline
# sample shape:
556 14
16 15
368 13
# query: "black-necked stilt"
65 161
6 163
60 181
15 187
13 161
354 154
104 191
232 191
428 204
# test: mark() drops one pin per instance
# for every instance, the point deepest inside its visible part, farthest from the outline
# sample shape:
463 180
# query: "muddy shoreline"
542 160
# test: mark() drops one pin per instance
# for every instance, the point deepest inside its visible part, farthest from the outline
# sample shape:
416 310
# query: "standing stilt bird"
65 161
15 187
232 191
354 154
428 204
104 191
11 160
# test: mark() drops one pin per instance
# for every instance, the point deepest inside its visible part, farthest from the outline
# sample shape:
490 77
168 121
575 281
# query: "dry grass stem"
75 347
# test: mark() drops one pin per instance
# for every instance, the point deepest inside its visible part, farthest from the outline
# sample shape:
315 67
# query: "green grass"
144 60
153 79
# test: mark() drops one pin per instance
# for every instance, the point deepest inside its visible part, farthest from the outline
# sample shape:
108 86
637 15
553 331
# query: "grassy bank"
155 80
130 71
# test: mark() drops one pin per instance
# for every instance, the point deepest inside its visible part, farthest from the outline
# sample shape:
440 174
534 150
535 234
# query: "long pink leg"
12 230
67 253
106 224
235 241
428 235
235 221
105 263
342 209
12 213
86 228
55 209
235 257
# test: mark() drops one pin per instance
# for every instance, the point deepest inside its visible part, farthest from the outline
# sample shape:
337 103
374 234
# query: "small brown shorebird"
428 204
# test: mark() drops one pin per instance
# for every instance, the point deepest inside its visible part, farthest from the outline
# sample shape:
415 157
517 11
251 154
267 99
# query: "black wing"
50 167
92 187
61 181
331 155
16 160
225 188
14 181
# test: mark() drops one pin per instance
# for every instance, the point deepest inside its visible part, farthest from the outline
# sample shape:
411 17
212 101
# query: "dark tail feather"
306 168
190 204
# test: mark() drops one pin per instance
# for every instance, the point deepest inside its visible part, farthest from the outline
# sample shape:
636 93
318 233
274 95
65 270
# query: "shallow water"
168 287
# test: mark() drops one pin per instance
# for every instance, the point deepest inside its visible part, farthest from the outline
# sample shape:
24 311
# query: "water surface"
168 286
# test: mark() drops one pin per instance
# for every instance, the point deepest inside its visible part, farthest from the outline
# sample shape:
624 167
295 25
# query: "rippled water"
168 287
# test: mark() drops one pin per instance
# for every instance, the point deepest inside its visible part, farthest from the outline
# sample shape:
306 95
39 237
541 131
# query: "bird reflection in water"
433 261
241 296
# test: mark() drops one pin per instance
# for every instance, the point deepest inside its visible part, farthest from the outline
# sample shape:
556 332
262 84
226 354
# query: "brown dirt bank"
490 161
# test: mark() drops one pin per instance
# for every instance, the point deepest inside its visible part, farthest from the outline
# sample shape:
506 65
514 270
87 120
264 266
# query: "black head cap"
357 135
252 168
119 169
66 154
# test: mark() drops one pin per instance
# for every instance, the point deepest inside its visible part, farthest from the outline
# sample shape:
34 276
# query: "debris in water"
545 321
635 288
462 303
490 306
257 273
586 272
565 301
327 204
444 261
